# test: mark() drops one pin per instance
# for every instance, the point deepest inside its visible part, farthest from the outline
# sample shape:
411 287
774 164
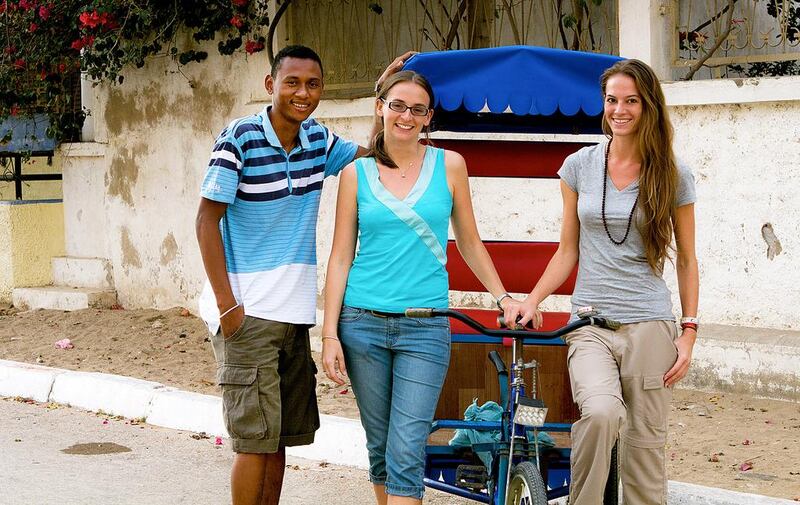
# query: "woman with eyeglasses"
397 203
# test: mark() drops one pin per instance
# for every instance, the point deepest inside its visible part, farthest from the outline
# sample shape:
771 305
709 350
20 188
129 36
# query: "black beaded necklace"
603 210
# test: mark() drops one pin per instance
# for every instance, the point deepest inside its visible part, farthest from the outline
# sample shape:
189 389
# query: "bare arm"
342 253
561 264
466 231
688 289
209 239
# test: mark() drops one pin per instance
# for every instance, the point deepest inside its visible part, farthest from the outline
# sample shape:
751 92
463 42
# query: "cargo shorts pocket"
655 402
241 408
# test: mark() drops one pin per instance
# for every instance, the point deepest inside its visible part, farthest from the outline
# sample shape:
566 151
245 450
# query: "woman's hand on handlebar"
511 308
526 311
333 359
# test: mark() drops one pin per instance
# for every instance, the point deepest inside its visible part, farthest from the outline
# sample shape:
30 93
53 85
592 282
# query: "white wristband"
230 310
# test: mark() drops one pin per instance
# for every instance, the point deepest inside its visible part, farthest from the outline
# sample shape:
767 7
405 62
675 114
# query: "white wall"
131 196
746 161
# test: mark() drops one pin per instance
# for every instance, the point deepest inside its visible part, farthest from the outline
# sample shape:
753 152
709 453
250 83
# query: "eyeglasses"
401 107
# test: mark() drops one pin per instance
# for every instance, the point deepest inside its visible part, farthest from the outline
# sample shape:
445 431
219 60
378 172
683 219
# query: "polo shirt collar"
272 137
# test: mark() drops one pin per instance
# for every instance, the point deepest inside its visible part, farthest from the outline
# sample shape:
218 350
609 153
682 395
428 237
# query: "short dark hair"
295 51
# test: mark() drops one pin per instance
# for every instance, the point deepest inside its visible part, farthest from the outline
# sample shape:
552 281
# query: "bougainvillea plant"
46 44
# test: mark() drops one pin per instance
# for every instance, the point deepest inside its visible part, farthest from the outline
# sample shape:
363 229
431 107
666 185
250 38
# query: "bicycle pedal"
473 477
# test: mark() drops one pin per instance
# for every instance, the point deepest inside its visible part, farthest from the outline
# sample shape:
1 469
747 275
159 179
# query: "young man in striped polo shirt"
256 227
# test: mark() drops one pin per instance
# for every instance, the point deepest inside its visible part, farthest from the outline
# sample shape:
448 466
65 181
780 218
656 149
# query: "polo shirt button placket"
288 175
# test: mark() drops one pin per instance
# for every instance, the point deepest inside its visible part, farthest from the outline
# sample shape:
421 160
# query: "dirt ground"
730 441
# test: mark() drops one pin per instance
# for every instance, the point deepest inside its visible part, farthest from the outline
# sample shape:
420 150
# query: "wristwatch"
500 299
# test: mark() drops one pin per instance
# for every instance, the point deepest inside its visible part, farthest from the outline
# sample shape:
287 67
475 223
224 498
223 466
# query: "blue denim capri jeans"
397 366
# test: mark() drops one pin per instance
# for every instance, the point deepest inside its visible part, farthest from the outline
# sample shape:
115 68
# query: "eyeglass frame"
405 107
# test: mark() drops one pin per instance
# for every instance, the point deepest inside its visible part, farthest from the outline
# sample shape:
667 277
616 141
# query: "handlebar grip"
497 361
501 323
419 312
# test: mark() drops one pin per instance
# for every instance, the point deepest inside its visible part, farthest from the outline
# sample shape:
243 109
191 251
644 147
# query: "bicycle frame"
510 393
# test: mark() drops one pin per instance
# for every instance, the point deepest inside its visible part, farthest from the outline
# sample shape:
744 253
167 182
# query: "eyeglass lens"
416 110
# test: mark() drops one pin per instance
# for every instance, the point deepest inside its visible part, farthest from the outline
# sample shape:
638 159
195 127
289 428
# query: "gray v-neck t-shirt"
615 279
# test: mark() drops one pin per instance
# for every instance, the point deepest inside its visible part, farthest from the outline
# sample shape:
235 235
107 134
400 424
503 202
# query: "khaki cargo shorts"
268 385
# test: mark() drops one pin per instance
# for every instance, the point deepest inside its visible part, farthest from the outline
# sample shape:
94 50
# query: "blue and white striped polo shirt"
269 228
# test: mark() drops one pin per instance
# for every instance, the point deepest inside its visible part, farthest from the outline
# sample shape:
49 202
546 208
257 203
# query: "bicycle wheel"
611 492
526 487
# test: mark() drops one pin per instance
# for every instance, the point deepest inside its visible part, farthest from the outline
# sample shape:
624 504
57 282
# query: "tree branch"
451 34
559 15
715 17
514 28
272 26
724 35
428 15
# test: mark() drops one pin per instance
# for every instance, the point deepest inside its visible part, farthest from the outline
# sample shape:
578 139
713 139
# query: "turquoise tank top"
401 257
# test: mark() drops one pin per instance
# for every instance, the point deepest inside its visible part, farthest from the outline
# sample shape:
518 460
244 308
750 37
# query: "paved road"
162 466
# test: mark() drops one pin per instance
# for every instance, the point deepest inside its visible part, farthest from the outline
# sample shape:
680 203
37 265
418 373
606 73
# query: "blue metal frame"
442 461
466 338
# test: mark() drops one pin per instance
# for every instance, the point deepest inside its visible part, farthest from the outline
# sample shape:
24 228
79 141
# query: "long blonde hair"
377 147
658 178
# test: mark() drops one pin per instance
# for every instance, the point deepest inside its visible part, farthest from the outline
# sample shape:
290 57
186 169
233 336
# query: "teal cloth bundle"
489 411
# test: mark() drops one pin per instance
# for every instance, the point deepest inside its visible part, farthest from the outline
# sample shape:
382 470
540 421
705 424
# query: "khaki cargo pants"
618 383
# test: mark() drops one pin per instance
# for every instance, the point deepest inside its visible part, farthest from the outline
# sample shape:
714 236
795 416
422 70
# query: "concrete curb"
182 410
113 394
683 493
28 381
340 441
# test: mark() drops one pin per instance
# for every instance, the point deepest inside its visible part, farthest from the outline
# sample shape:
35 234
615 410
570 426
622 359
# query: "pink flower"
27 4
33 27
240 3
218 441
237 21
64 343
9 50
14 110
44 12
19 64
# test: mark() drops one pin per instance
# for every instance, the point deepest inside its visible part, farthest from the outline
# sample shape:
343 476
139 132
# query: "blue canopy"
528 79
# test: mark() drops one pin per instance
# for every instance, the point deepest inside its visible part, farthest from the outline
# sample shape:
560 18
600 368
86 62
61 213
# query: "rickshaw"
511 90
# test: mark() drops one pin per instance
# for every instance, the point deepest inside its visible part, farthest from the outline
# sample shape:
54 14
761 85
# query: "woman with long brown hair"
624 201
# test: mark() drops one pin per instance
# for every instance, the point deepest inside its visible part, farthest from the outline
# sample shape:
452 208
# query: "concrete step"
62 298
93 273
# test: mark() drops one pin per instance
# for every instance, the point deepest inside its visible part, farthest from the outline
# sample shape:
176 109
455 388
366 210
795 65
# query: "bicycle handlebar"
501 333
